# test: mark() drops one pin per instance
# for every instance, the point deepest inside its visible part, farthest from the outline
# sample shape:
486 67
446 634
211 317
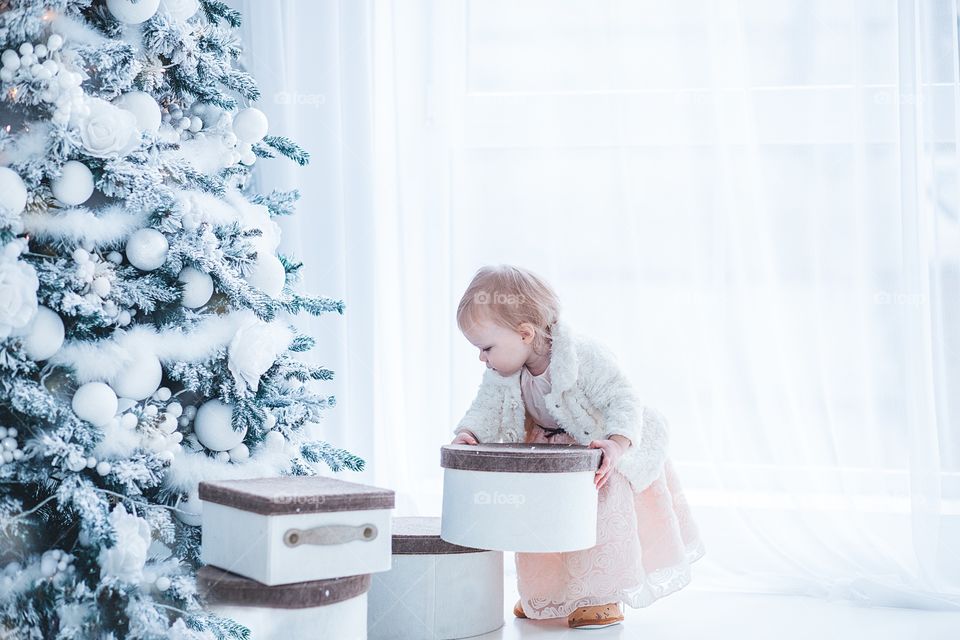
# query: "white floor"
694 613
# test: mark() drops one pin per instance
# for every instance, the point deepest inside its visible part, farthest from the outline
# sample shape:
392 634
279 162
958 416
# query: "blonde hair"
510 296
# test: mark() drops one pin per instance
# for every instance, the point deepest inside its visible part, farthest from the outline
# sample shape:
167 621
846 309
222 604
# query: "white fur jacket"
590 398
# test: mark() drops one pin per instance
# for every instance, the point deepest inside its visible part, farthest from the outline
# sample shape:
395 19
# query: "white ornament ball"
54 42
75 184
101 287
189 511
13 193
267 274
103 468
222 456
143 107
147 249
214 426
91 462
129 421
139 379
274 440
162 583
129 12
43 337
95 402
239 453
10 59
250 125
197 287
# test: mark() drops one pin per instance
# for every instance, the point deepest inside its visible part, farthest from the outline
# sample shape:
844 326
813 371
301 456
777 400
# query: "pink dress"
646 540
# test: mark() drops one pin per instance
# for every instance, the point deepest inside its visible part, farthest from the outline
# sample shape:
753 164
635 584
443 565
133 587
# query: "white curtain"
754 202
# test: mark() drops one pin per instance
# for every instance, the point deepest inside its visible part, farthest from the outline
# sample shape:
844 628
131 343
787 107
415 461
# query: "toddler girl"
545 383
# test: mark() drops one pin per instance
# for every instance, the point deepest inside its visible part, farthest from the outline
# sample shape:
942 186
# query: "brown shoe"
518 610
596 616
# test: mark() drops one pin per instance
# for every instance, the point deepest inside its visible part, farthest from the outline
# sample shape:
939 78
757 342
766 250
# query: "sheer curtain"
753 202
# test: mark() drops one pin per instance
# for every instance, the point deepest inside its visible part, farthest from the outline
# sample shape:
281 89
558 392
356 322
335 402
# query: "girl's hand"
464 437
612 452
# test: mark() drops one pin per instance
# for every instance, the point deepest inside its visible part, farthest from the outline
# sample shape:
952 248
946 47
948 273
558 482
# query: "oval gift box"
520 497
435 589
295 528
333 608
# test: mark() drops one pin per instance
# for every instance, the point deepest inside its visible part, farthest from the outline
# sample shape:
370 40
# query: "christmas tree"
145 333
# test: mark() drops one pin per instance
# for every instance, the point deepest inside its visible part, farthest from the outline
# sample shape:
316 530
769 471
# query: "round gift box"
520 497
434 589
335 608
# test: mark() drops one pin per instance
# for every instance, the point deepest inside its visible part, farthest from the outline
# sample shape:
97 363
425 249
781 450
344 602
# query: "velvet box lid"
520 457
296 494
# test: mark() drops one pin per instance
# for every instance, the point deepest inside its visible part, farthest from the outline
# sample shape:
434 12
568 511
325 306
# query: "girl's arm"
605 384
485 414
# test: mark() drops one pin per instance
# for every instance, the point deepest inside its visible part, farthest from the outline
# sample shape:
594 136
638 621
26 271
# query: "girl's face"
501 349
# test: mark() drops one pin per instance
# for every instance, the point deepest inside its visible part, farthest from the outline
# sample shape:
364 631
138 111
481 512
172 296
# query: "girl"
545 383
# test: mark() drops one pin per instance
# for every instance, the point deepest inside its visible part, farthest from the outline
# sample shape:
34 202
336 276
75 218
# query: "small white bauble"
75 184
54 42
147 249
162 583
197 287
274 440
91 462
43 337
168 425
268 275
139 379
129 12
222 456
10 59
13 193
143 107
101 287
189 511
250 125
103 468
239 453
181 9
95 402
214 426
128 421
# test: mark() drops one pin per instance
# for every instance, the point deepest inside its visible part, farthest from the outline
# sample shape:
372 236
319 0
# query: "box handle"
330 534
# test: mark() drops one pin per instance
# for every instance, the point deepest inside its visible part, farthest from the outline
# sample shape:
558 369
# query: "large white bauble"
197 287
268 275
190 511
143 107
43 336
129 12
147 249
250 125
75 184
13 193
139 379
213 426
95 402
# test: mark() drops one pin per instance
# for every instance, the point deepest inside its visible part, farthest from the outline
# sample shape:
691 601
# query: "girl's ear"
528 332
